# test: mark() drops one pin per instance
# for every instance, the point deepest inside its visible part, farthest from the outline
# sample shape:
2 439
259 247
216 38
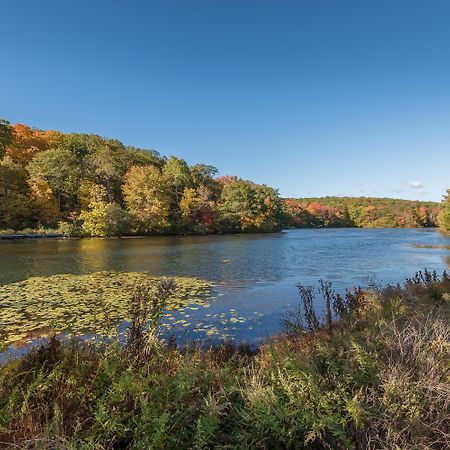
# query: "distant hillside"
367 212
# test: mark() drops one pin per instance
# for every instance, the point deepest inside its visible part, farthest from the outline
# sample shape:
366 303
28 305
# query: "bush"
69 229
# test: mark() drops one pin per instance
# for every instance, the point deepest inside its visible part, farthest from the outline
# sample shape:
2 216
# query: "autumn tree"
296 214
45 207
61 169
444 216
27 142
15 203
267 208
249 207
102 217
178 176
148 198
13 177
421 216
198 209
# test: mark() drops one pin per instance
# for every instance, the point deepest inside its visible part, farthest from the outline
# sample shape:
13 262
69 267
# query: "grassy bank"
30 233
376 376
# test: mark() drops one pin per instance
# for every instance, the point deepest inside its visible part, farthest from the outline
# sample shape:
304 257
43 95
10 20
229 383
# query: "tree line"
88 185
94 186
364 212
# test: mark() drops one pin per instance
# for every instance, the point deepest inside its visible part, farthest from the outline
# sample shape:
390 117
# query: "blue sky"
313 97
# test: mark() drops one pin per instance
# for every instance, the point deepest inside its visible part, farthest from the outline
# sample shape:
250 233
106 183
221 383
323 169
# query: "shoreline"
19 236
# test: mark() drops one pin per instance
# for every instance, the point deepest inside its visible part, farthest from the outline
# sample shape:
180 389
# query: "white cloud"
415 184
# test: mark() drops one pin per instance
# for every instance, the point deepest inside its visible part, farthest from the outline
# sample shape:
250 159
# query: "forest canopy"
365 212
88 185
95 186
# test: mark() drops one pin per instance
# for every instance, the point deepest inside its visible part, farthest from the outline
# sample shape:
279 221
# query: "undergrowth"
372 374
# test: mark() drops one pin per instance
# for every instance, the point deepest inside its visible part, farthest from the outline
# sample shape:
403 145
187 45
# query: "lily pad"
82 304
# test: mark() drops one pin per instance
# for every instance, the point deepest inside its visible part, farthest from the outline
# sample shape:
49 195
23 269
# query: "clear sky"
313 97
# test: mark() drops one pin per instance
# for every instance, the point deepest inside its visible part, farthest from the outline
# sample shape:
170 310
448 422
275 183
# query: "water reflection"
255 275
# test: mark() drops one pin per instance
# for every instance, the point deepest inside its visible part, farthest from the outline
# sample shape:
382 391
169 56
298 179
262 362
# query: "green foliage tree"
61 169
107 166
15 205
6 136
82 145
203 175
140 157
178 174
103 218
249 207
235 205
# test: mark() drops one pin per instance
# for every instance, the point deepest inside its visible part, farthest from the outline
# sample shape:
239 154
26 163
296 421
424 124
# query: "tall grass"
372 374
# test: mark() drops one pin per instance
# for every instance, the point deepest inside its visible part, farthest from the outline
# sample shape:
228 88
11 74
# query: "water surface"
254 274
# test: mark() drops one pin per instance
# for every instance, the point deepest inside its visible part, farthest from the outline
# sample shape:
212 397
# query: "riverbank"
376 378
31 233
9 235
13 237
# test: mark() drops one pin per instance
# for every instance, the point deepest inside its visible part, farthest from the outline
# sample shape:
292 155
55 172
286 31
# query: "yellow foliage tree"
148 198
44 202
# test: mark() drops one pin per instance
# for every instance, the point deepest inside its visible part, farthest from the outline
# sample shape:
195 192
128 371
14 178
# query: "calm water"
254 275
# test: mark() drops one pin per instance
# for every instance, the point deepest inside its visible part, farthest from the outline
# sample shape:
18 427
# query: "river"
254 275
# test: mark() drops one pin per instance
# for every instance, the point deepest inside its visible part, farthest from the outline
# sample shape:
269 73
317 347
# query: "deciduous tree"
45 207
6 136
198 209
61 169
444 217
103 218
148 198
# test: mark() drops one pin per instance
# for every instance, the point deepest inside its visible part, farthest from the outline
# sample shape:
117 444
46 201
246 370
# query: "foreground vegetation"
373 374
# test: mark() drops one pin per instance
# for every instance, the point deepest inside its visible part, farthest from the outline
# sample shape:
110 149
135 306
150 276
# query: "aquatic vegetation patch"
438 247
82 304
